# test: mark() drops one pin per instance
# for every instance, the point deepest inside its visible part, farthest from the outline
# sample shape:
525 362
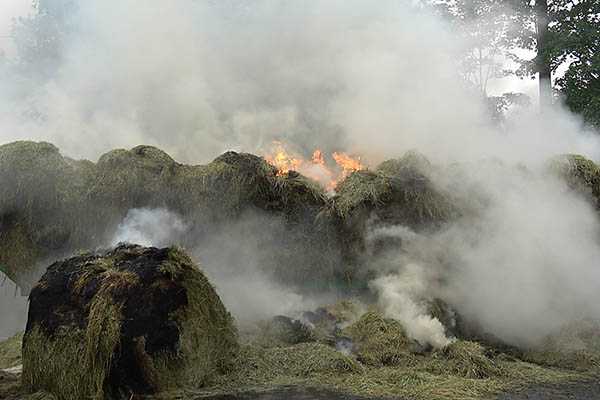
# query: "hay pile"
379 341
133 320
465 359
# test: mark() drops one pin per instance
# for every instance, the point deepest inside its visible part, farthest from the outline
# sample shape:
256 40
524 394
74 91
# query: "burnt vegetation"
137 320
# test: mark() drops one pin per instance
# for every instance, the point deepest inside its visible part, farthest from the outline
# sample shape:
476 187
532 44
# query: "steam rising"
199 78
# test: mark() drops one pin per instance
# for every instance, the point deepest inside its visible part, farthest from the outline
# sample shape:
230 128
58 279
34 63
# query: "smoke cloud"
198 78
157 227
402 296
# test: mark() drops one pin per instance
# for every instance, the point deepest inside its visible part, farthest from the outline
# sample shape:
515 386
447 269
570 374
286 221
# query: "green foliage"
576 40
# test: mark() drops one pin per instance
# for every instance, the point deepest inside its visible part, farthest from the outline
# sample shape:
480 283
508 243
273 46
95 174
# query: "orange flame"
347 163
282 160
316 168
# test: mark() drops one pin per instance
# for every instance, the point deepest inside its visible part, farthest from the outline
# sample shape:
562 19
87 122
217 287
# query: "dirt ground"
573 391
587 390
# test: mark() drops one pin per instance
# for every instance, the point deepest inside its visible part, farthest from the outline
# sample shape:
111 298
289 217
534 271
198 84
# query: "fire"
318 158
347 163
317 168
282 160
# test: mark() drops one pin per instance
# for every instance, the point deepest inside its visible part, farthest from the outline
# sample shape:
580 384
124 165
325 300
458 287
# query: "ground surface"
589 390
572 391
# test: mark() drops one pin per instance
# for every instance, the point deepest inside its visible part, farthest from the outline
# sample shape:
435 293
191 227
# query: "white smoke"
199 77
525 263
150 227
404 296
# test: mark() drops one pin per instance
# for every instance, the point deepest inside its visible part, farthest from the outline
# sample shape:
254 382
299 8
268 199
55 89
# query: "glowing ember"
316 168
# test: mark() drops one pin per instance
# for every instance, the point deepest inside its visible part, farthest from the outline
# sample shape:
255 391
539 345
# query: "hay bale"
125 179
42 195
300 197
379 341
465 359
51 206
580 173
398 192
133 320
412 162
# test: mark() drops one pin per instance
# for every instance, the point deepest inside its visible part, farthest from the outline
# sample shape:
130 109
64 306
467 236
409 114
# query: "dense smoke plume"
199 78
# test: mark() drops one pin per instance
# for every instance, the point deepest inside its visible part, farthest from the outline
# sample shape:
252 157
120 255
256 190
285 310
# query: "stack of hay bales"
132 320
51 206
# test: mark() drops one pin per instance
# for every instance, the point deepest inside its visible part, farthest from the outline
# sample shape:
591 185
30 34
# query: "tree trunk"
543 59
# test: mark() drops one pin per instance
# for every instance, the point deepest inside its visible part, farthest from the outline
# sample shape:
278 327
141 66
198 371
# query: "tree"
39 38
576 41
483 25
560 31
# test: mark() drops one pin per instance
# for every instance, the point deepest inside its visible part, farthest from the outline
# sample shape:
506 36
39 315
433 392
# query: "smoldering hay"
509 248
494 232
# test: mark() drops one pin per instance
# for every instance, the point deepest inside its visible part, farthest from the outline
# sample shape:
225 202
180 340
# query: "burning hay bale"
398 192
50 206
131 320
299 197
